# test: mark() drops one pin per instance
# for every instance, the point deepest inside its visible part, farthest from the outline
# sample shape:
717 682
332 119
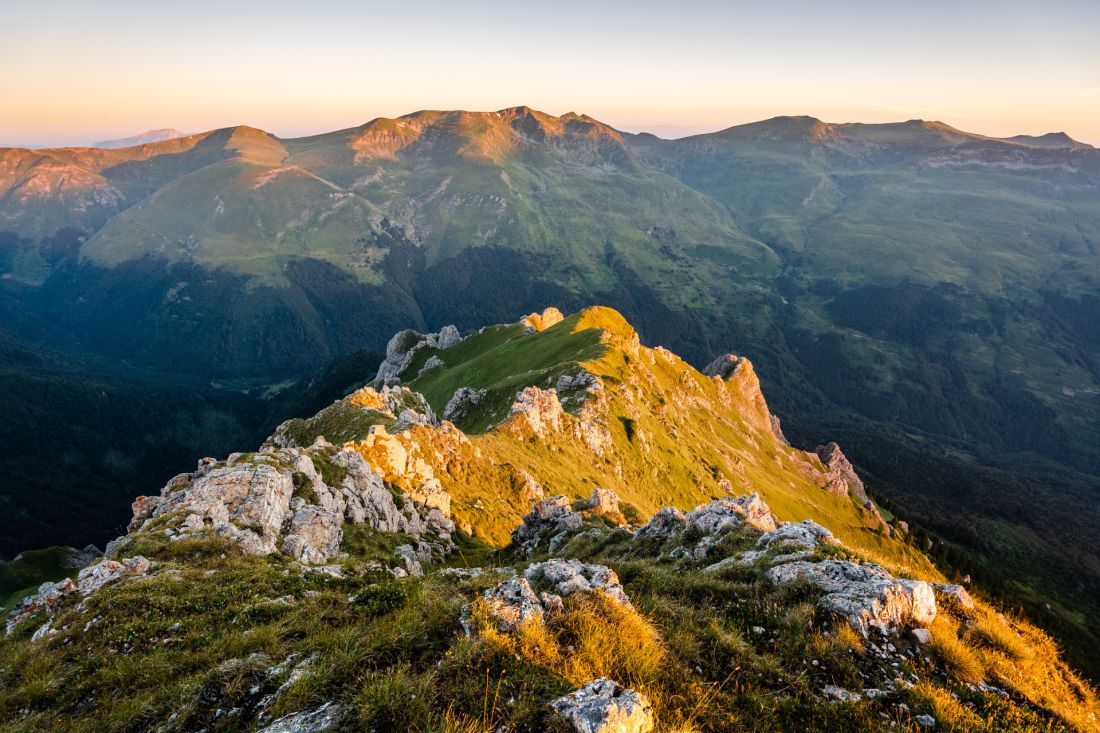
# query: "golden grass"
998 634
948 711
955 654
847 638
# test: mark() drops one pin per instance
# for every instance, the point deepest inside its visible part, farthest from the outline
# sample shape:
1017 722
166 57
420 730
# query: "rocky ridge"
584 571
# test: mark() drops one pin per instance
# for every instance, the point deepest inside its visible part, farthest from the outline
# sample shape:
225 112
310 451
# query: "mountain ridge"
933 301
376 579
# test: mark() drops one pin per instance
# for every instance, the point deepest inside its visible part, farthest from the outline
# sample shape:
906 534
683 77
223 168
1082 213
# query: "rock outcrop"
50 595
278 500
566 577
865 595
326 717
536 322
461 403
546 525
403 348
539 409
840 474
605 706
510 604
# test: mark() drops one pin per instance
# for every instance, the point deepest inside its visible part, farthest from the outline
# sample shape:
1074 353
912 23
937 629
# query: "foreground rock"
326 717
865 595
511 604
605 706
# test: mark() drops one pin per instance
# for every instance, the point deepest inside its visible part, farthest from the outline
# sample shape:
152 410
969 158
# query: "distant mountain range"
928 296
149 136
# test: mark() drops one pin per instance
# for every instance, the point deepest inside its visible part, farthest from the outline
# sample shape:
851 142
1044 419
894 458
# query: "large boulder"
566 577
865 595
665 523
545 525
510 604
722 515
605 706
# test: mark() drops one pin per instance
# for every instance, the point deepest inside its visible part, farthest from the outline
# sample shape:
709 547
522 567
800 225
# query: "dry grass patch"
954 653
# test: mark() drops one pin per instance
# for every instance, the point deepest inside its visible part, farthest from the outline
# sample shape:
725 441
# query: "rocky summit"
537 526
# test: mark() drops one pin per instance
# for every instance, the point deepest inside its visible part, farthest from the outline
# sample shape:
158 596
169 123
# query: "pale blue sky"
73 72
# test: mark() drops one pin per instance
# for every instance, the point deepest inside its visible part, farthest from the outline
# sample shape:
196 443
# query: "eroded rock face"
605 706
841 475
94 577
566 577
865 595
540 409
548 519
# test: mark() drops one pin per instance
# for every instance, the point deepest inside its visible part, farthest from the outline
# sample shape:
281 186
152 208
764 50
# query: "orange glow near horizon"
75 73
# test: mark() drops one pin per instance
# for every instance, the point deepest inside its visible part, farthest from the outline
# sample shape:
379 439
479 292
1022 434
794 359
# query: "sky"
76 72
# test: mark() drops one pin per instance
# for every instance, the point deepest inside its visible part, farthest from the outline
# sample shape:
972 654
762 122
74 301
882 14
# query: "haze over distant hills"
926 295
149 136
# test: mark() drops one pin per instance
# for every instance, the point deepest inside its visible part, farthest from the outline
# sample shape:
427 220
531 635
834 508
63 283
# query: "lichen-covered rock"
326 717
94 577
865 595
548 519
805 535
566 577
665 523
605 706
511 604
722 515
946 592
48 599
